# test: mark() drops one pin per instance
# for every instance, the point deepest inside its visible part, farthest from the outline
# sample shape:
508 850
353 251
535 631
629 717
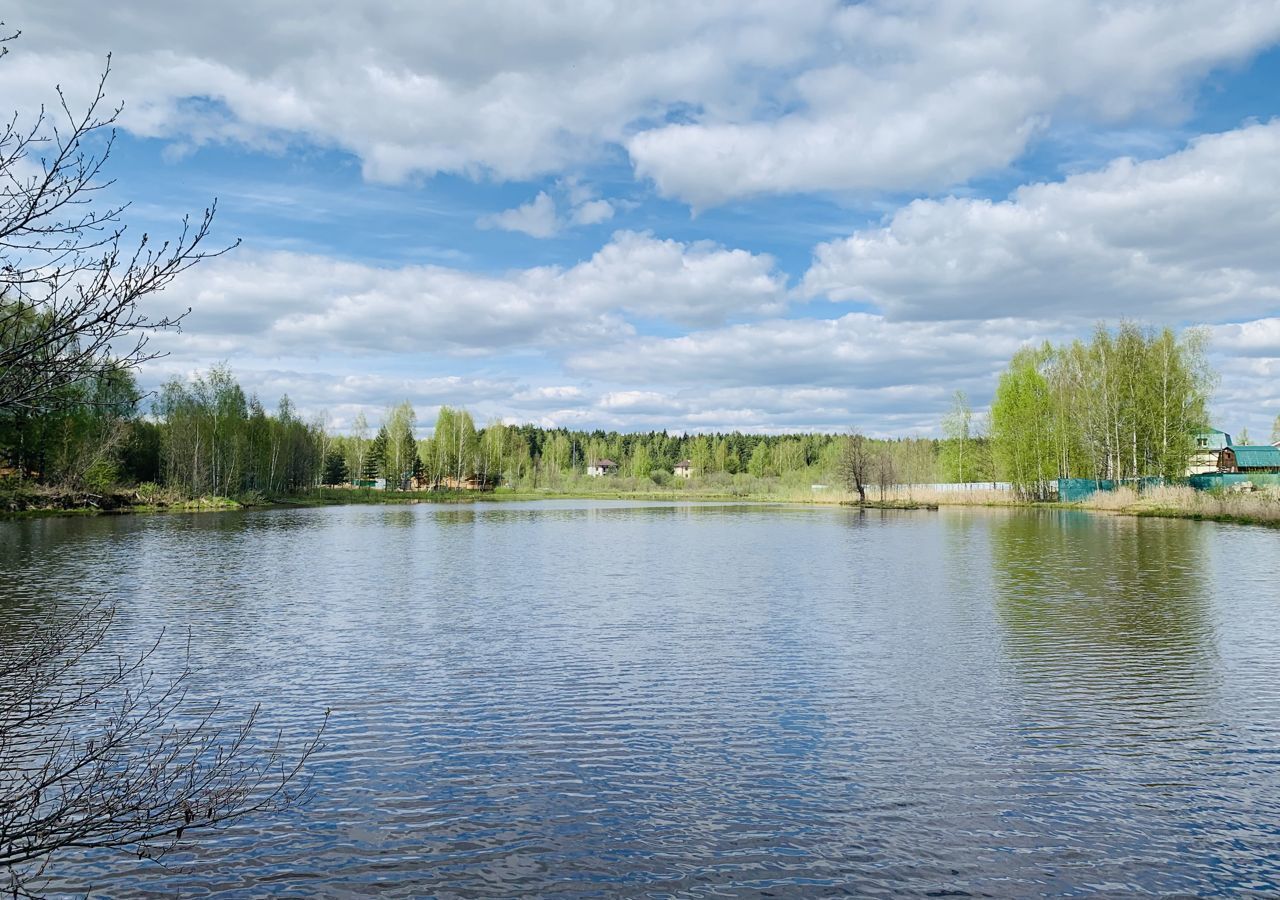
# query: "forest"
1123 405
206 437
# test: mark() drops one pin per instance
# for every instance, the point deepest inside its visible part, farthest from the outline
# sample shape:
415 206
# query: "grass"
1255 508
1251 508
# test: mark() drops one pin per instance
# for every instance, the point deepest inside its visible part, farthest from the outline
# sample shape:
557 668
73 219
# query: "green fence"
1073 490
1217 481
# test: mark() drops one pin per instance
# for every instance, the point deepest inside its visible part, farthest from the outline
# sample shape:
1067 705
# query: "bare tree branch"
98 752
70 284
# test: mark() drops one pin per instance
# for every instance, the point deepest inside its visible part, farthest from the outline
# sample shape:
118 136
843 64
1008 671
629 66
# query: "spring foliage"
1126 404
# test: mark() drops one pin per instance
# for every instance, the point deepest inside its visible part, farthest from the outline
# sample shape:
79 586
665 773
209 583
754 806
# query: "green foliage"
79 439
149 492
761 461
215 442
1125 405
960 462
335 469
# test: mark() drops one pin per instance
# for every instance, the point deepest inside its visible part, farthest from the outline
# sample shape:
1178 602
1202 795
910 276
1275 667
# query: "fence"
1074 490
948 487
1211 481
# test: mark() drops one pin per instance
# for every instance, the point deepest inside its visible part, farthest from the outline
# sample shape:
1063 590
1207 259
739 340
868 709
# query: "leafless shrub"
97 752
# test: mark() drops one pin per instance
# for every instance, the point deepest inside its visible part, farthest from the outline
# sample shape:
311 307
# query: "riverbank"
1257 508
1253 508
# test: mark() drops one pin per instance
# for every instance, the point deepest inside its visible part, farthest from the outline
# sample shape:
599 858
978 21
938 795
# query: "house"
600 467
684 469
1263 458
1209 444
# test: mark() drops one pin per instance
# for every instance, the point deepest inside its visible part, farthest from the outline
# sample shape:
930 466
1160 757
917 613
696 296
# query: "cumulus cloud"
1189 236
537 218
282 302
540 217
713 100
593 212
926 95
1260 337
469 88
858 349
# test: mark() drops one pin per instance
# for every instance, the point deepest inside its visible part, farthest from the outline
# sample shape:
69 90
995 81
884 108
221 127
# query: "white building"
600 467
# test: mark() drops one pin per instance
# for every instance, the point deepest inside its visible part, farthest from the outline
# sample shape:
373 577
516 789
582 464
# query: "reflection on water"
1113 607
593 698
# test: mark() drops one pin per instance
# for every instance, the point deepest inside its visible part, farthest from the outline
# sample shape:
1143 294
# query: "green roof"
1257 457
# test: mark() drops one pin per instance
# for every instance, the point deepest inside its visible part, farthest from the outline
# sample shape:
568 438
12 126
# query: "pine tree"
335 468
376 460
409 461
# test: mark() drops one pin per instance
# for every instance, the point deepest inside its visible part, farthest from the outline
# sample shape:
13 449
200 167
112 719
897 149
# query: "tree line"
1126 404
206 436
459 454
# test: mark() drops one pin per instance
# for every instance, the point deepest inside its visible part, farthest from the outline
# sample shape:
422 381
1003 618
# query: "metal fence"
960 488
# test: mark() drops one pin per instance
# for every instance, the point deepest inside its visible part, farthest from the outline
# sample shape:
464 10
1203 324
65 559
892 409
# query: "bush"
149 492
101 477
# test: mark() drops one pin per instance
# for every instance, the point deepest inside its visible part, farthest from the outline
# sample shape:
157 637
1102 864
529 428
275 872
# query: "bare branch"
70 288
97 752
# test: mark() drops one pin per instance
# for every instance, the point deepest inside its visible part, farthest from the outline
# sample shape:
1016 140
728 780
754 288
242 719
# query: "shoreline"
1134 507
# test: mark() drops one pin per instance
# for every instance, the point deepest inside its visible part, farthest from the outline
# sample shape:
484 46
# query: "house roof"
684 463
606 463
1256 457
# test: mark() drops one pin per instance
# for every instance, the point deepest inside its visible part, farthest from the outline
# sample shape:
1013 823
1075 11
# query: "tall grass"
1228 506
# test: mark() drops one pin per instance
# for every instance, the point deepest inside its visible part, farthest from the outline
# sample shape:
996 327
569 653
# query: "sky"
749 215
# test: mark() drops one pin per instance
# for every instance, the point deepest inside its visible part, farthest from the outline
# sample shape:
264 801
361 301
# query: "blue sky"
757 216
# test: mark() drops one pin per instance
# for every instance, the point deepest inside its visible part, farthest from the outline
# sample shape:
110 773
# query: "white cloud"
1257 338
540 218
924 95
856 350
714 100
1188 237
274 303
537 218
593 212
470 88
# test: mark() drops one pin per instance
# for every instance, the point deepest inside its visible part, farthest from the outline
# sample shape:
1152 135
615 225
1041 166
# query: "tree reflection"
1104 608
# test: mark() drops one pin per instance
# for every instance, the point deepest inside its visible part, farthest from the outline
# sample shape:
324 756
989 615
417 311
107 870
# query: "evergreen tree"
377 458
335 468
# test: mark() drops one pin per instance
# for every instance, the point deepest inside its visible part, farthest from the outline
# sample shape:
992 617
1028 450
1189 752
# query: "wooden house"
1263 458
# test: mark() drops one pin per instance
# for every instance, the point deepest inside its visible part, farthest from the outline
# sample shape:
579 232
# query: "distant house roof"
605 464
1264 456
684 464
1212 440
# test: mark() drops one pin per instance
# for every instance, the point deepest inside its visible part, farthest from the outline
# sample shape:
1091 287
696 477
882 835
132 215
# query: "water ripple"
601 699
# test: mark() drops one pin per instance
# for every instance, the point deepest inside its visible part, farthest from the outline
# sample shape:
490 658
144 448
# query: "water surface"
591 698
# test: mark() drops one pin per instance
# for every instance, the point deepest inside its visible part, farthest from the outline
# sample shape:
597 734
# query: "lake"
611 698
